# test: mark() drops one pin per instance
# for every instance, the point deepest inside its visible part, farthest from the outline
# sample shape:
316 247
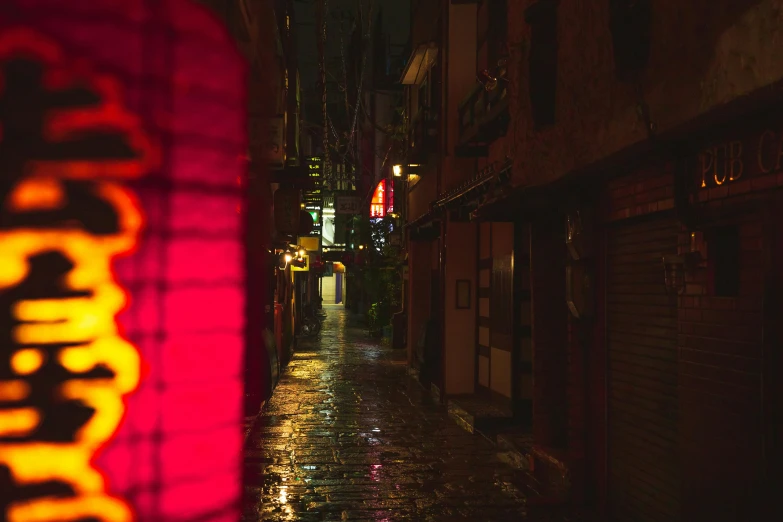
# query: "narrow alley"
348 435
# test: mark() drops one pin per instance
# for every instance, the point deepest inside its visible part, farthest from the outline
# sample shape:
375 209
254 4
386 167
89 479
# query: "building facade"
593 241
265 32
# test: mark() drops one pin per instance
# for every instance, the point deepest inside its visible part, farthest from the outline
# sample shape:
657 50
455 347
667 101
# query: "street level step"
477 414
545 472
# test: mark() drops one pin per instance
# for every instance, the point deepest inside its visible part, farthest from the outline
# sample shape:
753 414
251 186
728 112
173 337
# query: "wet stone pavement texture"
348 435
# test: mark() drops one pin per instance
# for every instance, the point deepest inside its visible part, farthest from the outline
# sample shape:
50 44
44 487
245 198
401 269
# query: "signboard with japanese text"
287 208
313 198
309 243
121 262
378 202
347 205
390 198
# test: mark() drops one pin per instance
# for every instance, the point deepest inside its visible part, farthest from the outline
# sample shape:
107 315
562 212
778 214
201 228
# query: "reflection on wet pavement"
348 436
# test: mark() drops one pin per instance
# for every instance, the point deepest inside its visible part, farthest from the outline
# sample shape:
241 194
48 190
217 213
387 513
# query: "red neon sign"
121 336
378 202
390 199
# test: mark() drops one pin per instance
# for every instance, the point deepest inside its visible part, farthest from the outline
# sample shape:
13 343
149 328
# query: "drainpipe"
444 150
442 362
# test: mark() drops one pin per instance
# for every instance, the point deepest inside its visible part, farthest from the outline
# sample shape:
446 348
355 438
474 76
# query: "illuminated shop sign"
347 205
378 202
742 160
304 267
390 199
313 198
106 329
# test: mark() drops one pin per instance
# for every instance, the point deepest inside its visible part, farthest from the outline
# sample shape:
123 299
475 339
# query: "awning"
471 191
421 60
474 188
423 219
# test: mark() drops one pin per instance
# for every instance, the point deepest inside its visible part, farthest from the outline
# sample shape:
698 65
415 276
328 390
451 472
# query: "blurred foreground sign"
104 400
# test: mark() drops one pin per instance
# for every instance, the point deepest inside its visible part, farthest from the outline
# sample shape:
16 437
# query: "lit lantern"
121 287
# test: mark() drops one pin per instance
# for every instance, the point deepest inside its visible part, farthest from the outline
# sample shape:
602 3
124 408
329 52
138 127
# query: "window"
424 94
630 22
498 32
723 261
492 31
542 18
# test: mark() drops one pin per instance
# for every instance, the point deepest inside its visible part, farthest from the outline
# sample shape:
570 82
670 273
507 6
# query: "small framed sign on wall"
463 294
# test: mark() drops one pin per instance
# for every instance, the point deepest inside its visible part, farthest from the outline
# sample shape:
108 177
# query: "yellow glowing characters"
64 215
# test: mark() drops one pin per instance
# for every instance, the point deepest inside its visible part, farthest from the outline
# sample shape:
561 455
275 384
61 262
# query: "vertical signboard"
390 198
313 198
347 205
287 211
304 268
378 202
121 262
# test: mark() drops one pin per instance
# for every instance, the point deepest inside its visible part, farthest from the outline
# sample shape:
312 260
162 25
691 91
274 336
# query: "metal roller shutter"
644 472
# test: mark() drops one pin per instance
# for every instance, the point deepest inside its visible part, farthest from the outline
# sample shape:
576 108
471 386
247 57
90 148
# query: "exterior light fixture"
397 169
301 205
677 268
302 252
361 247
574 236
674 274
288 257
487 79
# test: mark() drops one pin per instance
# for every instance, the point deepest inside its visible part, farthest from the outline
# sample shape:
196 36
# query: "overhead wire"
321 24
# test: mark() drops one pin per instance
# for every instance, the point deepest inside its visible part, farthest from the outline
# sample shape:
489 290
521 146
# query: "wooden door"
501 318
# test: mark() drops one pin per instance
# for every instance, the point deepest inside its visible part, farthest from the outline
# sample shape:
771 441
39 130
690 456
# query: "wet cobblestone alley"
348 435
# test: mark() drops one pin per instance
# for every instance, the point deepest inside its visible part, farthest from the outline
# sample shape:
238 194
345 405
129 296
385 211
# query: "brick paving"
348 435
